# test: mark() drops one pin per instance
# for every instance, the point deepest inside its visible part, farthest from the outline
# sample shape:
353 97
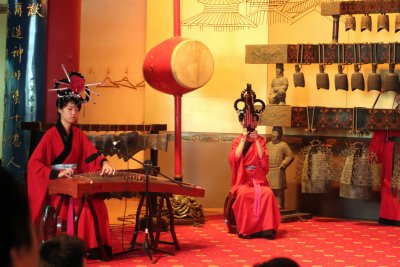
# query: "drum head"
192 64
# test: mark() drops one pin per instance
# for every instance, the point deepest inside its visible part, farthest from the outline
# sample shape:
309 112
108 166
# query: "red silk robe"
384 148
56 147
255 207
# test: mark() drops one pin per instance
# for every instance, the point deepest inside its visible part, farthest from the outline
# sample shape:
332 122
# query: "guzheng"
92 183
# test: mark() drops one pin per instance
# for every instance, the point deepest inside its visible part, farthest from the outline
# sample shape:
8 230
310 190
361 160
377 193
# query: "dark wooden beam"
360 7
331 53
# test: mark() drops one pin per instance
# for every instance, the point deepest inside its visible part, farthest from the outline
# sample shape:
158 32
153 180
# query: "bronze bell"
298 76
391 80
383 22
322 78
366 23
350 23
397 23
341 82
357 78
374 81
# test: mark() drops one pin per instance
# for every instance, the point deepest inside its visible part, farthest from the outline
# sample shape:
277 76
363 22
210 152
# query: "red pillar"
178 138
63 45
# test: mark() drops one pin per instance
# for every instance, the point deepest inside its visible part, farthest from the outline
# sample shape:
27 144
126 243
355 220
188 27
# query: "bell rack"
336 9
357 120
329 53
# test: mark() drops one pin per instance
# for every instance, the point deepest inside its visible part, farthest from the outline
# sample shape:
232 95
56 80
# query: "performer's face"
69 113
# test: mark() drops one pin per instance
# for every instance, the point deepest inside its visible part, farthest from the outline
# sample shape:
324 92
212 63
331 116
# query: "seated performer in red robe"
255 208
61 153
386 145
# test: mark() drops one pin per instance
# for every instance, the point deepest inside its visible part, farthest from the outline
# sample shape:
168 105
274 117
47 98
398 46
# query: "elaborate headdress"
73 87
249 113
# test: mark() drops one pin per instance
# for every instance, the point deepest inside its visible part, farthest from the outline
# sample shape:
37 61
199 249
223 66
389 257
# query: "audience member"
63 251
18 245
278 262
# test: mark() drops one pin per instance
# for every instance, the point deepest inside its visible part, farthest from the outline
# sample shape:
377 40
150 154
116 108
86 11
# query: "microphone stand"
147 165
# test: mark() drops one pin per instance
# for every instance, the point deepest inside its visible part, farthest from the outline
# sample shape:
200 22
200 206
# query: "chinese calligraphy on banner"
24 79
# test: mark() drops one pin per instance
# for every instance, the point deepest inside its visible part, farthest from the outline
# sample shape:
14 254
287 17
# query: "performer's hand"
254 135
107 169
66 173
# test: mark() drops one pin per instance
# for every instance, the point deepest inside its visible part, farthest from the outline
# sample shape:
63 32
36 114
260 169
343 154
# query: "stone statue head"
276 134
279 68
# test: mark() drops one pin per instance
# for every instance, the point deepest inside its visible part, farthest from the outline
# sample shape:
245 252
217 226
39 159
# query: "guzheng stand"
150 246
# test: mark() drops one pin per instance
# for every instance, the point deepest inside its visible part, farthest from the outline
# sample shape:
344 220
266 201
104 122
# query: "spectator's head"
63 251
278 262
18 245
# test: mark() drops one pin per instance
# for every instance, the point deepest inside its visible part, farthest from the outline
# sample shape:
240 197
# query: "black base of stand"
147 245
150 244
148 248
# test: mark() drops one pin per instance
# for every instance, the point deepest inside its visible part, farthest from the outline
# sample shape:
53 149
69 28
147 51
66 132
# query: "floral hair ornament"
249 113
73 87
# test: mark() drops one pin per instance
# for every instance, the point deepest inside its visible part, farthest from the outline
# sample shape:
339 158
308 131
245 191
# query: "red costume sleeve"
39 168
251 158
235 163
87 149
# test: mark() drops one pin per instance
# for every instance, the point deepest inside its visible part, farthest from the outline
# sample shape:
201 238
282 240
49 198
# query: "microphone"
115 143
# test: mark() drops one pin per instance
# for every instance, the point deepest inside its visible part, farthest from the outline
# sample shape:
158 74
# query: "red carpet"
317 242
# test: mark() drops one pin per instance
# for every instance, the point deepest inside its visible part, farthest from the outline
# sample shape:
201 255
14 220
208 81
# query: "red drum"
178 66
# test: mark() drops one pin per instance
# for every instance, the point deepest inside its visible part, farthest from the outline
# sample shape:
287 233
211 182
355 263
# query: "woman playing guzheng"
255 207
61 153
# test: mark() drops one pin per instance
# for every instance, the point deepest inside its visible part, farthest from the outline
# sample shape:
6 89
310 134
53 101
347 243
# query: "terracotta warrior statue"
279 86
280 157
